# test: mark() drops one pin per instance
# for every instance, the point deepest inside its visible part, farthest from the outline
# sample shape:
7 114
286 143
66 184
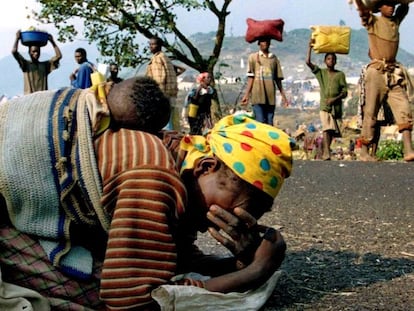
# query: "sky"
295 13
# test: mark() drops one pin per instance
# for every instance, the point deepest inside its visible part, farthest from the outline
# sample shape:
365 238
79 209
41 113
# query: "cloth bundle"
271 28
188 298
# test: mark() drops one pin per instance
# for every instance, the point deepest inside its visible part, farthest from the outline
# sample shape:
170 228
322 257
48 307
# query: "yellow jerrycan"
331 39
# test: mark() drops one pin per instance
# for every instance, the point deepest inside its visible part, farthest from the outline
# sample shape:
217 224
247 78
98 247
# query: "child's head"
330 60
203 78
80 55
240 162
155 44
138 104
264 43
385 7
34 52
114 69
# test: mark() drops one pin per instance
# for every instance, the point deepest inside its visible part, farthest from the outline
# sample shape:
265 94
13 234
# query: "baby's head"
138 104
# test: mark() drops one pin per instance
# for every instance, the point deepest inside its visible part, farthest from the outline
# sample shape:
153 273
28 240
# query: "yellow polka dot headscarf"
258 153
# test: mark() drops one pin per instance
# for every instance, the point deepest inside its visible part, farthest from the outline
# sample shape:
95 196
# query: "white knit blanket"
46 154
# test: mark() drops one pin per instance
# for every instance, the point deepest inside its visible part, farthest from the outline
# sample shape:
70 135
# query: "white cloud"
15 16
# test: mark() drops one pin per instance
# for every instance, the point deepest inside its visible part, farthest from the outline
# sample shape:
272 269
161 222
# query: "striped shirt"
143 191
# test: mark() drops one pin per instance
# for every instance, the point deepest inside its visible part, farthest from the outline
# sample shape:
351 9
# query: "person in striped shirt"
158 192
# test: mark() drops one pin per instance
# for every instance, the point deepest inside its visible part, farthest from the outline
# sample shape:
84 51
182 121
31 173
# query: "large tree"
116 25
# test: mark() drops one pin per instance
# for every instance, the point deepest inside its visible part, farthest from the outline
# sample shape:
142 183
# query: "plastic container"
97 78
192 110
331 39
34 38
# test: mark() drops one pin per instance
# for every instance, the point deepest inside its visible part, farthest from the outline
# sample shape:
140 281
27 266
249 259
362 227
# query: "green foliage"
390 150
117 25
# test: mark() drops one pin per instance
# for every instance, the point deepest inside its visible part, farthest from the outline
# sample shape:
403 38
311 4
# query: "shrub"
390 150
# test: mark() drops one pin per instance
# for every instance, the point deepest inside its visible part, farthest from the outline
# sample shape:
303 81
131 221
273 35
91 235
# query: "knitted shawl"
48 172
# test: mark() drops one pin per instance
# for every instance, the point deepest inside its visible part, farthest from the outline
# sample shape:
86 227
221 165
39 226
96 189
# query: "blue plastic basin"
37 38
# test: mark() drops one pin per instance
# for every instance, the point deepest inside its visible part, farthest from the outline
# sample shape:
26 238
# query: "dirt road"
350 233
349 227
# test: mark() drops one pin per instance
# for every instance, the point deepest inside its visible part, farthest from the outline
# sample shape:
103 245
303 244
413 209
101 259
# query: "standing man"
161 69
333 88
263 73
81 77
113 73
384 77
35 72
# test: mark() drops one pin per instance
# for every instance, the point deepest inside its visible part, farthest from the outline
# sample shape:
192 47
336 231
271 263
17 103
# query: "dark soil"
349 229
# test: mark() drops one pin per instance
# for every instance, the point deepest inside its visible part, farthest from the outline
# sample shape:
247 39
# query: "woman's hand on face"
237 231
249 242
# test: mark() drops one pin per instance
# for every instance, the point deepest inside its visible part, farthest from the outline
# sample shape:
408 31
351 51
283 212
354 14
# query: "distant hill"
291 52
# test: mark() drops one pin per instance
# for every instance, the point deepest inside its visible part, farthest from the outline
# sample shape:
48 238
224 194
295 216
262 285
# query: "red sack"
271 28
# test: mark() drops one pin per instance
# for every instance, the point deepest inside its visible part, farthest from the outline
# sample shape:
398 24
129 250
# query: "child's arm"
402 11
285 102
364 12
308 55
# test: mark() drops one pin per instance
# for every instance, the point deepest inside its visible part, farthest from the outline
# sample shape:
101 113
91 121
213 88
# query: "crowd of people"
102 195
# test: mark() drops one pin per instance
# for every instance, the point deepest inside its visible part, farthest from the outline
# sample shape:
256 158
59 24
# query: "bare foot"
368 158
409 157
326 156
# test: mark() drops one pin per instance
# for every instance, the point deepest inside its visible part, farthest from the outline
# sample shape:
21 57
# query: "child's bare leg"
408 149
374 148
364 154
375 141
326 145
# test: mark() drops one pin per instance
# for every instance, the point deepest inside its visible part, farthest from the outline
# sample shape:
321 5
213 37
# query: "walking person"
333 89
199 105
264 73
161 69
81 77
384 77
36 72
